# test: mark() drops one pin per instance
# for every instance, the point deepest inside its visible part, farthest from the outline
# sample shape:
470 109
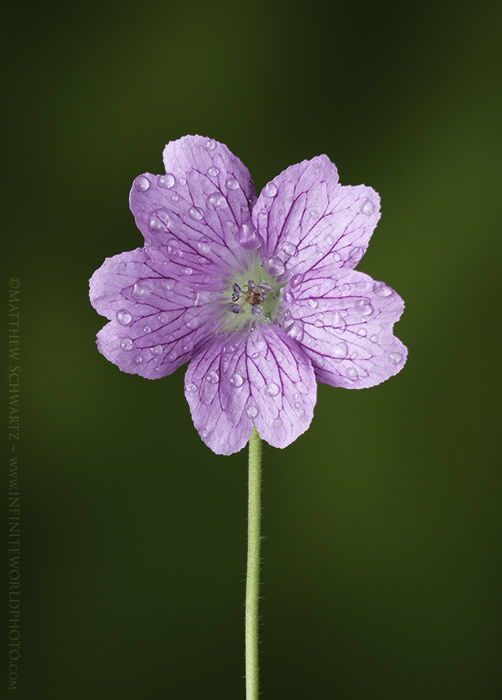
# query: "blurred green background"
381 563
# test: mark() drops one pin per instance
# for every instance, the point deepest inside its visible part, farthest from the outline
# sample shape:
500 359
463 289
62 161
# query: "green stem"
253 573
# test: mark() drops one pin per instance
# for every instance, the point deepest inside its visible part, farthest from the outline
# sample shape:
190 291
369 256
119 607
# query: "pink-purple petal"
308 221
347 328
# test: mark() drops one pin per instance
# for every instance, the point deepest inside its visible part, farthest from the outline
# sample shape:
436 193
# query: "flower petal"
200 211
262 378
307 220
156 323
283 386
345 326
217 391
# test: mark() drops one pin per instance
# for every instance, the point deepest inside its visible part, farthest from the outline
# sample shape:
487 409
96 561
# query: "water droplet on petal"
340 350
211 145
187 345
313 213
182 181
213 172
138 360
154 224
175 198
277 423
232 183
295 331
248 238
156 350
367 207
230 225
204 248
270 190
329 240
272 389
191 387
167 181
216 201
252 411
276 267
203 433
352 373
289 248
126 344
162 318
124 318
147 329
364 307
296 280
337 257
381 289
139 291
236 380
318 323
374 339
355 255
395 357
212 377
172 356
195 213
361 332
142 183
187 270
313 303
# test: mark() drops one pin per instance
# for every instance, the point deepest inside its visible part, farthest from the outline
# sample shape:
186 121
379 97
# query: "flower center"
253 297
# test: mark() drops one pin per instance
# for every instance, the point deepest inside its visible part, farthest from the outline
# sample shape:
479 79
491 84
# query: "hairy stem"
253 571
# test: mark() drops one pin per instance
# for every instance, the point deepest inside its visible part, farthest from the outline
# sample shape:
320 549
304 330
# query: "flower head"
259 294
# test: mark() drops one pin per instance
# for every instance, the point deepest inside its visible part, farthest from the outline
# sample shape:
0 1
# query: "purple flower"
260 295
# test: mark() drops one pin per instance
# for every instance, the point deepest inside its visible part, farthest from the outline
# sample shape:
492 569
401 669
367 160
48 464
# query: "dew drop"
138 360
213 172
361 332
236 380
381 289
230 225
203 433
182 181
139 291
124 318
313 213
204 248
352 373
277 423
172 356
188 345
318 323
191 387
295 331
364 307
337 257
211 145
162 318
340 350
187 270
167 181
272 389
270 190
374 339
252 411
232 183
367 208
126 344
195 213
320 361
147 329
355 255
296 280
142 183
289 248
156 350
175 198
212 377
216 201
248 238
313 303
395 357
276 267
329 240
154 224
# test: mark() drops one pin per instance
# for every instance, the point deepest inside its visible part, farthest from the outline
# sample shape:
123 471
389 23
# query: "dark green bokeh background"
382 552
